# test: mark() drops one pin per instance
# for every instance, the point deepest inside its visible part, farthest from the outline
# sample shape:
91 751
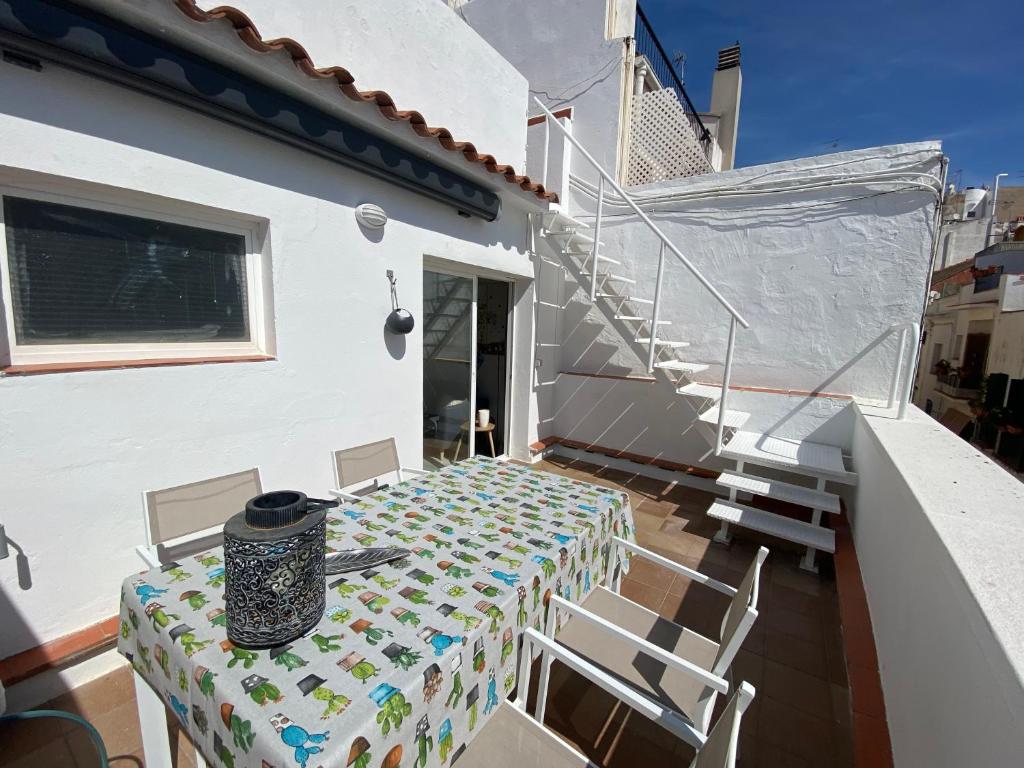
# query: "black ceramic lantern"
274 567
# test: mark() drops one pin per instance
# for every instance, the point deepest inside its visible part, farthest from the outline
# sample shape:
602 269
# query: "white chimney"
725 102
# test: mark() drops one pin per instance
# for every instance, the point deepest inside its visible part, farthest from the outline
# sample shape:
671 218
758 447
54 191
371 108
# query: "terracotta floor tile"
662 509
798 690
748 667
651 574
835 657
25 736
799 580
54 754
808 628
772 756
119 728
871 747
796 732
866 691
648 597
778 596
796 653
646 524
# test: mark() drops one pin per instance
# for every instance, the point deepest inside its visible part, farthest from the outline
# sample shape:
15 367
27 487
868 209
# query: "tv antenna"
680 61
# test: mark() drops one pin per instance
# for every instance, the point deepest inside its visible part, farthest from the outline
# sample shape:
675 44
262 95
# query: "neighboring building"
972 358
603 59
969 224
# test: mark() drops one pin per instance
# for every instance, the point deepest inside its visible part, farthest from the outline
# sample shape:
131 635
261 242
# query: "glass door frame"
440 266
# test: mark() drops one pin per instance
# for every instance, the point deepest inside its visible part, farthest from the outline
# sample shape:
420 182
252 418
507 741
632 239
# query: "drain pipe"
914 372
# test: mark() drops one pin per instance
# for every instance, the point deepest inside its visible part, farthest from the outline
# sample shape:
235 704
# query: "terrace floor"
800 717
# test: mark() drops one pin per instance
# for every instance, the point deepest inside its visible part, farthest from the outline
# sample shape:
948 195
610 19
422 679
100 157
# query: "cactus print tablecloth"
411 657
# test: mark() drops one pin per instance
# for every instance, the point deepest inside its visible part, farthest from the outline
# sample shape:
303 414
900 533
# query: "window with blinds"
83 278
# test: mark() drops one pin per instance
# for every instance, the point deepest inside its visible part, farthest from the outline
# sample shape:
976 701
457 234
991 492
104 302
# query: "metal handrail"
736 317
913 329
662 65
643 216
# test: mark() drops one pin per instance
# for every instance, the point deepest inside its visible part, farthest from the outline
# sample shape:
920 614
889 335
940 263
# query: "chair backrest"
184 509
719 751
740 615
365 462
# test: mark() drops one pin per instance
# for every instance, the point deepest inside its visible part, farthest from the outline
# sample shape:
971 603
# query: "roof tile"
249 34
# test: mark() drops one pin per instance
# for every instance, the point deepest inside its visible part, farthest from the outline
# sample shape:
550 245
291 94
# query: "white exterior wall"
960 241
818 276
77 449
422 54
938 533
561 48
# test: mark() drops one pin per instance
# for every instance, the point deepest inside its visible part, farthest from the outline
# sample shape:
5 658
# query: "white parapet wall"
939 533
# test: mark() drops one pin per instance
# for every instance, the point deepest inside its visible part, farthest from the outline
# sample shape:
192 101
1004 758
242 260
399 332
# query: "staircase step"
633 299
613 276
587 254
663 342
706 391
562 220
800 456
679 365
643 319
776 489
733 419
786 528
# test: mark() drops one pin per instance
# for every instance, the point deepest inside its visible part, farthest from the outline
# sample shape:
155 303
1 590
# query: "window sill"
104 365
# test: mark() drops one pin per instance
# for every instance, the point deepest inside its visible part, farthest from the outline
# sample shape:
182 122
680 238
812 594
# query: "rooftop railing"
648 46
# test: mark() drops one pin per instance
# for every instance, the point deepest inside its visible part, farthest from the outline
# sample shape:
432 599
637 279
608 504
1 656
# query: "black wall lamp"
400 320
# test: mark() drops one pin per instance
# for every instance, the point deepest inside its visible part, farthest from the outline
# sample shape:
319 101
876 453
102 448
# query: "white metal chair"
179 520
513 739
674 665
363 463
175 517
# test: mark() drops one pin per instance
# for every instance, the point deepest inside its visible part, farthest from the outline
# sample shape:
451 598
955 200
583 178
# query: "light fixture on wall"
400 320
371 216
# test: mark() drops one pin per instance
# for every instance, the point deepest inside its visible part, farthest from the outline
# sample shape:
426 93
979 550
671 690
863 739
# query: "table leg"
490 436
153 724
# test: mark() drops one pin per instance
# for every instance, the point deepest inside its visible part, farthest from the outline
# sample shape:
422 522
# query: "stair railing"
604 178
913 331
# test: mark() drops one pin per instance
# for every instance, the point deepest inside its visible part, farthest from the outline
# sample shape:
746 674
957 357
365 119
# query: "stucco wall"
560 46
418 51
819 275
938 533
76 449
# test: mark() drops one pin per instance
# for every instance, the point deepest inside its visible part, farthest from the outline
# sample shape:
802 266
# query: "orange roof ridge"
249 34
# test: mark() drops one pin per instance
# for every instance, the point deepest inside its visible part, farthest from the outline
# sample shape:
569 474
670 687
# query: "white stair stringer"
822 462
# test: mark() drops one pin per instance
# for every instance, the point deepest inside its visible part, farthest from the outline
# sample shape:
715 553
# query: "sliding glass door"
449 367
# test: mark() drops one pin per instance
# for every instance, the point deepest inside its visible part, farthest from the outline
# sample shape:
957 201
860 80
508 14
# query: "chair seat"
669 686
513 739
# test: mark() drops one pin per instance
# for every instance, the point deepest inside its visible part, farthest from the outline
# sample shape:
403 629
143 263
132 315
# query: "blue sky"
861 74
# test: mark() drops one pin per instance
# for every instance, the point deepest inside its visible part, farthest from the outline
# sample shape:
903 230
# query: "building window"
84 283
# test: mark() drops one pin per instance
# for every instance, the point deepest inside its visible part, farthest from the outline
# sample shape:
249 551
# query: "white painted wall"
940 541
818 274
418 51
560 46
76 449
